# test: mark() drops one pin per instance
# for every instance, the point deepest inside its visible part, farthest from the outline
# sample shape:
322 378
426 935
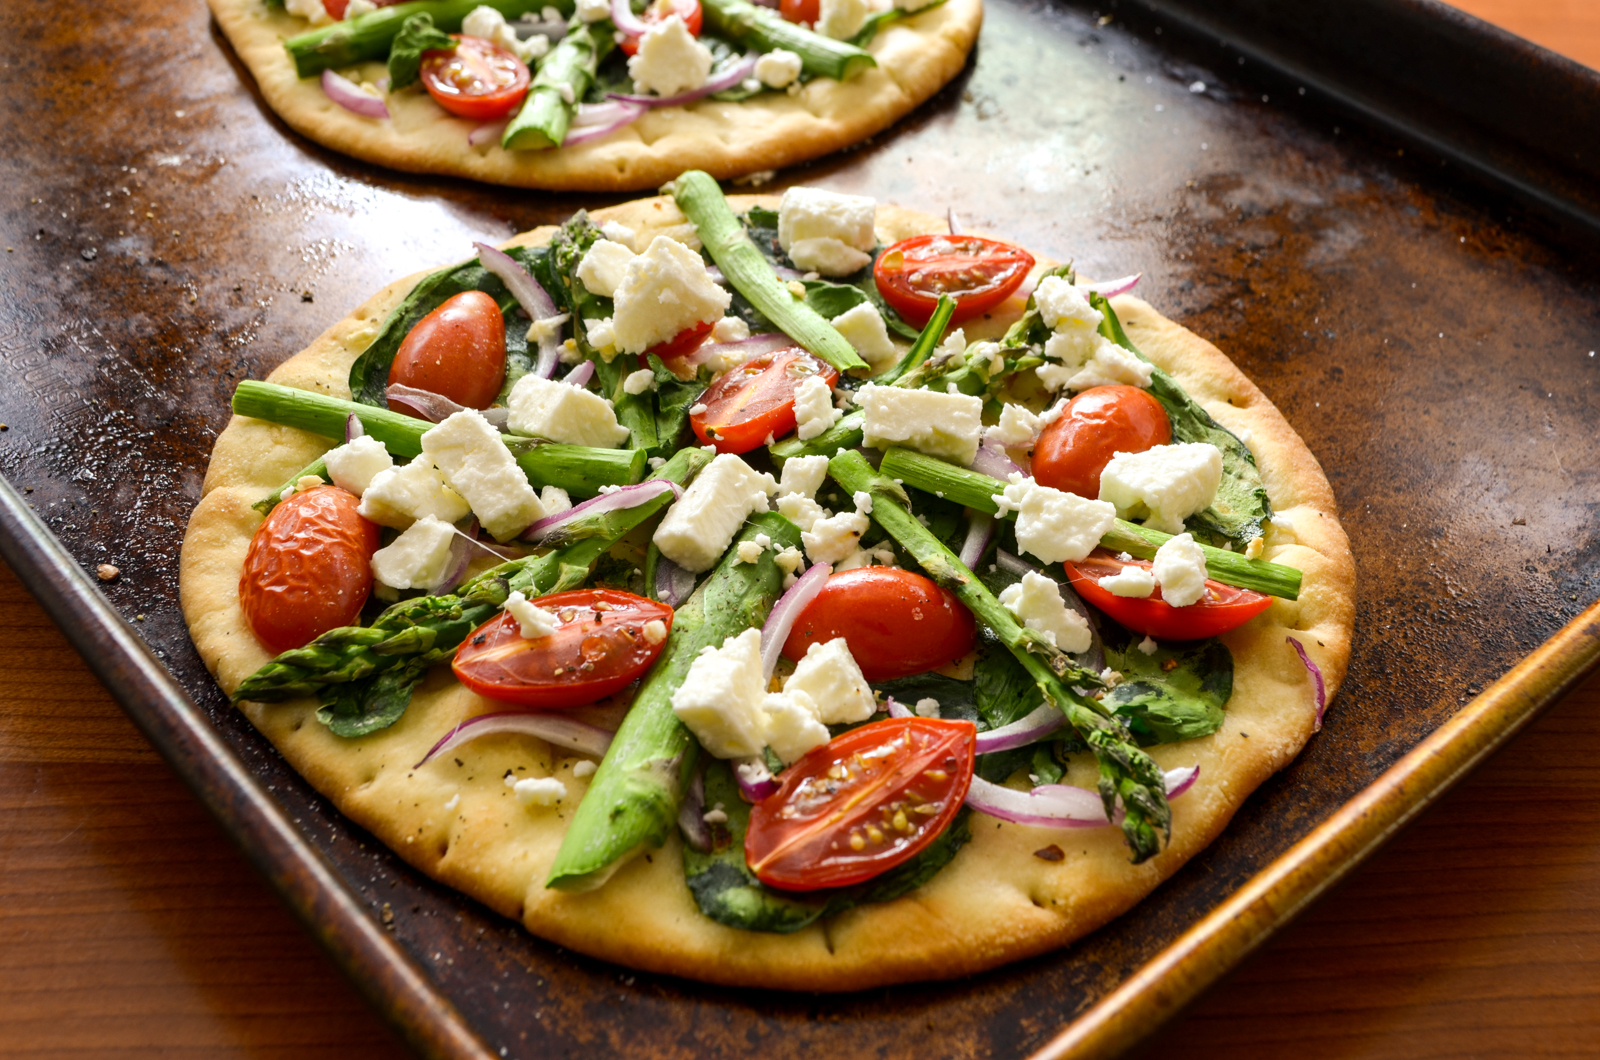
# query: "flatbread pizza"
596 97
818 684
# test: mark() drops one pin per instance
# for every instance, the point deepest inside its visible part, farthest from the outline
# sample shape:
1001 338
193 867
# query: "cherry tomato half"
1222 608
897 622
1095 426
683 343
978 273
458 350
308 569
660 11
755 401
801 10
862 803
475 80
598 649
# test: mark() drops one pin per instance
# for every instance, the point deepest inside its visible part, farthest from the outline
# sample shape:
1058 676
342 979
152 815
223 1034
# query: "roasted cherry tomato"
458 350
801 10
861 804
897 622
683 343
475 80
1221 608
308 570
598 649
755 401
660 11
978 273
1095 426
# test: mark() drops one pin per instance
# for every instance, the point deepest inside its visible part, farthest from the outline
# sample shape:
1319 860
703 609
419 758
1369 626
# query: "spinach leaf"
728 892
362 707
1176 693
674 398
417 35
369 376
957 699
1241 503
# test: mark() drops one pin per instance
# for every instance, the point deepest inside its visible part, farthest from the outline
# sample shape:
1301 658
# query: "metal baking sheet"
1412 288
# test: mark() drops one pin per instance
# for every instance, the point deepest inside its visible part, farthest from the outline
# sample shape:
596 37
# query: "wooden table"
129 924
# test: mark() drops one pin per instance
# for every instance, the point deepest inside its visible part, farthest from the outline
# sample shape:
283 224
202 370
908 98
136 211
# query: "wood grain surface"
130 927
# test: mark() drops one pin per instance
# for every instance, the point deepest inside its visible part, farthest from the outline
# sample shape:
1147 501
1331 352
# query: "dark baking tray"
1384 211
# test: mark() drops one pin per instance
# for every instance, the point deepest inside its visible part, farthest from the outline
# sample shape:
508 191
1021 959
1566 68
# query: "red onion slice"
548 529
716 275
745 349
482 134
1316 679
353 428
557 729
534 300
784 613
580 375
423 404
1112 288
674 584
733 75
1022 732
347 94
1177 781
692 815
624 19
897 709
980 531
993 461
595 130
951 222
460 557
756 781
1060 805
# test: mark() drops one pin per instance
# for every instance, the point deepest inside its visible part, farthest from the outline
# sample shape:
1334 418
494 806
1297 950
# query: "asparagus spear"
763 29
427 629
317 467
977 491
563 78
633 801
368 36
575 468
1126 773
703 204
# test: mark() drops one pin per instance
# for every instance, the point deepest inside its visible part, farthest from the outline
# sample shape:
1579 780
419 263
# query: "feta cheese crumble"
1133 582
842 19
640 381
539 791
943 425
655 631
604 266
489 24
533 621
926 708
803 475
730 329
664 292
827 232
1036 602
832 538
618 232
593 10
548 408
1180 570
791 724
554 500
864 329
721 695
475 463
1053 525
778 68
1163 485
813 408
1148 646
400 496
1087 358
418 559
698 528
670 61
1017 429
829 675
354 465
750 551
583 769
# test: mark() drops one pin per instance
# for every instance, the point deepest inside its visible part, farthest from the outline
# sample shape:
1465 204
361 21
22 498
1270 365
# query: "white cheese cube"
842 19
803 475
1180 570
1055 526
619 233
864 329
1110 365
943 425
1062 305
418 558
665 291
640 381
829 675
1163 485
812 213
604 266
801 510
546 408
1017 429
669 61
813 408
778 68
697 530
730 329
1132 582
477 465
533 621
1036 602
720 698
827 256
554 500
539 791
357 462
489 24
834 538
400 496
791 724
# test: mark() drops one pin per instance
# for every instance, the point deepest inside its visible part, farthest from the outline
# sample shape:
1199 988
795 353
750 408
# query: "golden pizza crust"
996 902
916 57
